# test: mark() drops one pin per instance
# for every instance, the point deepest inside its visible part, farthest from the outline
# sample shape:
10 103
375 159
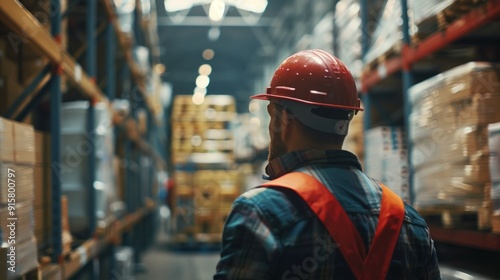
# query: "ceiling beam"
200 21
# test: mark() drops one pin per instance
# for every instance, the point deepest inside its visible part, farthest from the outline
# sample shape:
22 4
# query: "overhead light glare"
200 90
198 98
172 6
202 81
208 54
217 9
205 69
159 68
254 6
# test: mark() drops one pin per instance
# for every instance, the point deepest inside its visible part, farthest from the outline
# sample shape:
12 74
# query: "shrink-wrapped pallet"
348 35
494 145
449 134
387 33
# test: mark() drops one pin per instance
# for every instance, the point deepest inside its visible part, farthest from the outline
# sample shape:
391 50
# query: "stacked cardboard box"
451 112
204 199
17 158
386 158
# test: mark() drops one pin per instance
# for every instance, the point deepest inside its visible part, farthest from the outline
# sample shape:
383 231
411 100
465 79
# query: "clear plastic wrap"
348 35
26 259
387 32
448 130
423 9
460 146
494 145
24 142
21 185
24 224
386 158
6 140
74 165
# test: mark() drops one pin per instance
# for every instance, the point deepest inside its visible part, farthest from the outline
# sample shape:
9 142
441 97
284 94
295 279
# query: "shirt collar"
296 159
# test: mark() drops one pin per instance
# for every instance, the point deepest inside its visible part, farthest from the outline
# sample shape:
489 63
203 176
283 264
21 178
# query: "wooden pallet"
441 20
197 242
457 217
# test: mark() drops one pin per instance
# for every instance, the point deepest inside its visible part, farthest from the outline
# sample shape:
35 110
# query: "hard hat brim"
268 97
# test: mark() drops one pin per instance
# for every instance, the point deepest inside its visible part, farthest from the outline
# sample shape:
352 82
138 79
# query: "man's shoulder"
279 206
265 198
412 216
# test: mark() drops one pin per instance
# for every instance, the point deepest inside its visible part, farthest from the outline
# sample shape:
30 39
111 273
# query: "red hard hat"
314 77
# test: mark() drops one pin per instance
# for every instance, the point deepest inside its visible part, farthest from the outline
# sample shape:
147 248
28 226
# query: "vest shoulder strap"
372 264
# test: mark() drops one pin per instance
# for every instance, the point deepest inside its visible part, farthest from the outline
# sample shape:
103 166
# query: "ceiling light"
198 98
159 68
217 9
208 54
254 6
205 69
202 81
176 5
213 33
200 90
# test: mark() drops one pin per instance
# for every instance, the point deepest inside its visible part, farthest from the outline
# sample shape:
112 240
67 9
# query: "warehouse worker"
320 216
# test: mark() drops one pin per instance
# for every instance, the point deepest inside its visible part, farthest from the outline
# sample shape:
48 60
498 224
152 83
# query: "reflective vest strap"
327 208
392 213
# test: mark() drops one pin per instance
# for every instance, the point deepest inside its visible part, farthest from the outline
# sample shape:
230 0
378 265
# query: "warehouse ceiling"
242 44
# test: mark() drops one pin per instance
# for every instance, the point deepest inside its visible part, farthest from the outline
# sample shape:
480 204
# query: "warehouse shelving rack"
400 69
139 220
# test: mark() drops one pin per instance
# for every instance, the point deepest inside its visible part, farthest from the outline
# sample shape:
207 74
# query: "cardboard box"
21 183
6 140
24 141
24 224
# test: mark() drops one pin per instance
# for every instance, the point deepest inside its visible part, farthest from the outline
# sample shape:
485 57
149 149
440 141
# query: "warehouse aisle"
165 264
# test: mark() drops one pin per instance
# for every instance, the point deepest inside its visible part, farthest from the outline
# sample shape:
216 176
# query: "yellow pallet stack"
202 139
202 129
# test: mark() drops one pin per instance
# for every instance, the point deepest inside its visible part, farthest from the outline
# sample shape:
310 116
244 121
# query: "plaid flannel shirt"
272 234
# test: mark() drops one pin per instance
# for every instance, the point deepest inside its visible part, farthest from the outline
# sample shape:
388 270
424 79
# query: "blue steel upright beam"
55 143
110 62
407 83
91 125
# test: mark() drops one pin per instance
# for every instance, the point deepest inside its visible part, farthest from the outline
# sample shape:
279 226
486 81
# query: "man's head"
312 98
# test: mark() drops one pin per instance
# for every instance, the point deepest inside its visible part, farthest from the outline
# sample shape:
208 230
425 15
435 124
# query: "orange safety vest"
373 264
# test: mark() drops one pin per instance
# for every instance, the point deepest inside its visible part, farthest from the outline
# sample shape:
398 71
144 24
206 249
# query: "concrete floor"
163 263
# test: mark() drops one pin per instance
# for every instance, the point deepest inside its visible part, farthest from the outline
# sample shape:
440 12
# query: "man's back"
272 233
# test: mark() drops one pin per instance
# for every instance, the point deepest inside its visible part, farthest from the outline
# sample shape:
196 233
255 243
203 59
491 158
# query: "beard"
277 147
